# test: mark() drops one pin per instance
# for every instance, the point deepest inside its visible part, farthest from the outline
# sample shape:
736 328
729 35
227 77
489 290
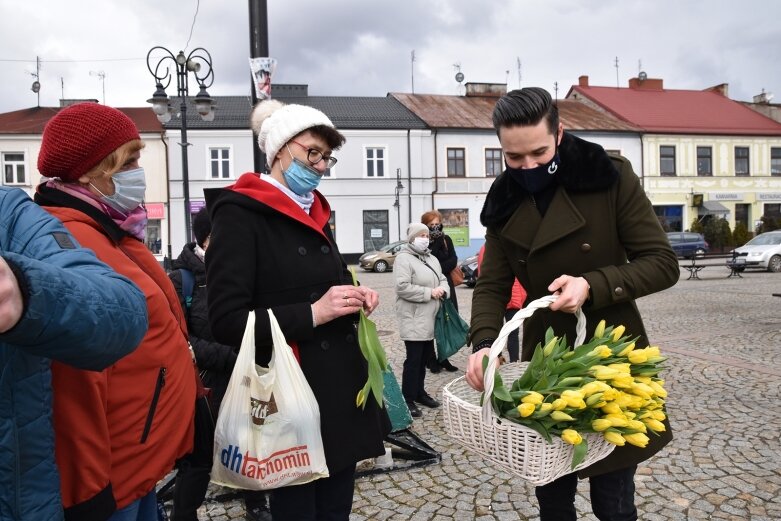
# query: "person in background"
271 247
58 302
118 431
442 248
567 219
215 363
517 298
420 285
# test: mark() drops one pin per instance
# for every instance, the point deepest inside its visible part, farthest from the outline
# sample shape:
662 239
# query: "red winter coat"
119 431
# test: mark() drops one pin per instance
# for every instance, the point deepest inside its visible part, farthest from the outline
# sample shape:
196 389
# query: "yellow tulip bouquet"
605 386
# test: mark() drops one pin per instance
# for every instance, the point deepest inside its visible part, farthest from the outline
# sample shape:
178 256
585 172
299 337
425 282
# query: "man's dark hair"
333 138
202 226
526 107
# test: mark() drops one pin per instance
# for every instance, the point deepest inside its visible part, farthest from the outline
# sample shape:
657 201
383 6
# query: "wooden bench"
694 270
700 262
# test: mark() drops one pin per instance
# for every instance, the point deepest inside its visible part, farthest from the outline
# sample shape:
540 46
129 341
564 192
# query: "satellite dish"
36 86
642 76
459 77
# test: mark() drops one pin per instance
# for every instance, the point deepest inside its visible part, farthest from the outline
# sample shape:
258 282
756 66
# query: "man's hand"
572 292
474 369
11 305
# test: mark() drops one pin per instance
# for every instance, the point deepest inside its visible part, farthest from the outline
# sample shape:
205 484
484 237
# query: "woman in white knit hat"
271 247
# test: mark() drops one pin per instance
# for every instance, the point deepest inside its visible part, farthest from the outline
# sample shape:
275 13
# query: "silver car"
763 251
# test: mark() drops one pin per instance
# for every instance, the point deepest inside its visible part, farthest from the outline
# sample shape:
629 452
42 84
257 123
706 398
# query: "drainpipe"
167 198
409 179
436 175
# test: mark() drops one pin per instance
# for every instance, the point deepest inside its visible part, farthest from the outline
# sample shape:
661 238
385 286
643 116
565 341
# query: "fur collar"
585 167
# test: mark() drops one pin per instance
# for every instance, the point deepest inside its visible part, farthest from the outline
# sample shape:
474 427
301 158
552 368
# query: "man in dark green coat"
567 219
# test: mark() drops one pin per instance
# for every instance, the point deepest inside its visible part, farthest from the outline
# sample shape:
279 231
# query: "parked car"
763 251
687 244
469 269
381 260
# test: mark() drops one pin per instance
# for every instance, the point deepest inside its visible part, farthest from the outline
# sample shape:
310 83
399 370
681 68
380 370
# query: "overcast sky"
363 47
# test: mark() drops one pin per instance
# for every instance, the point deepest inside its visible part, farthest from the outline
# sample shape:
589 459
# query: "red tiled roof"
34 119
679 111
474 112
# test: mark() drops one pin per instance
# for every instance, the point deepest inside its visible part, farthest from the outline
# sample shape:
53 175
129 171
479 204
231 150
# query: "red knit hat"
81 136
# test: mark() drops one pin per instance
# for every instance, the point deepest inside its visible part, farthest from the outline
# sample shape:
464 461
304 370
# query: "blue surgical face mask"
129 190
300 177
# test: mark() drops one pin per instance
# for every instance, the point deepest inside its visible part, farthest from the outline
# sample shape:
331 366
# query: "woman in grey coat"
420 285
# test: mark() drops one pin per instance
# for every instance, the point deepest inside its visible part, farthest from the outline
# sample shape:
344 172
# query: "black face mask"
535 180
435 232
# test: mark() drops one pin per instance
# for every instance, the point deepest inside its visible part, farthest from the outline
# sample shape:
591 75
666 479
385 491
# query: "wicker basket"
518 449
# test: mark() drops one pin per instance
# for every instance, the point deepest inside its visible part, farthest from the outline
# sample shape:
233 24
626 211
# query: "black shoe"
256 506
413 410
448 366
428 401
434 367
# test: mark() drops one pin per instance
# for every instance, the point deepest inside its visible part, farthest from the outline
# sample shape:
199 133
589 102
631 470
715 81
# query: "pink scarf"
133 223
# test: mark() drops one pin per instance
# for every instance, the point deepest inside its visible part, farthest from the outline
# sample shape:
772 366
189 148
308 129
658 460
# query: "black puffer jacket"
442 248
215 360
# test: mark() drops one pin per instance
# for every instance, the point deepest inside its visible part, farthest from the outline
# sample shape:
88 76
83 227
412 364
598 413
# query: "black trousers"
329 499
413 376
512 340
612 497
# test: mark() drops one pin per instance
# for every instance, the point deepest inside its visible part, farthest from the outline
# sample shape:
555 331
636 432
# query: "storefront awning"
713 208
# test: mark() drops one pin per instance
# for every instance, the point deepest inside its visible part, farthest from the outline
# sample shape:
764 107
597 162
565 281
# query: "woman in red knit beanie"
119 431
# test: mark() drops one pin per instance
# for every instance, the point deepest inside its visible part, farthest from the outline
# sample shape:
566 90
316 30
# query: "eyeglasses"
314 156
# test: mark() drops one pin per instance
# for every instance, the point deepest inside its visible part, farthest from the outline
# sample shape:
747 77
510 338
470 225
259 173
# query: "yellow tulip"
623 381
360 398
546 407
600 424
526 409
561 416
571 436
617 332
548 349
636 425
637 439
610 394
625 351
658 415
638 357
601 372
642 390
599 332
617 420
595 399
612 408
614 437
622 368
658 389
654 425
601 351
533 397
653 352
594 387
559 404
643 379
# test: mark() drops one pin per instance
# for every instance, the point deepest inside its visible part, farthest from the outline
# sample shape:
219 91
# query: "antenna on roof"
36 86
412 67
617 85
459 76
518 60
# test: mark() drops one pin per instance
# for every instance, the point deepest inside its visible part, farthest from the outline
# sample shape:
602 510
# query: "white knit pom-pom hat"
276 123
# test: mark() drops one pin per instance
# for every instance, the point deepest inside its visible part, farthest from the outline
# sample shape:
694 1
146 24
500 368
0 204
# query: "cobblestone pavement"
722 336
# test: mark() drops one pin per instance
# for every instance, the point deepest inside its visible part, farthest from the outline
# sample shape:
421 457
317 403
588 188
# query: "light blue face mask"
129 190
300 177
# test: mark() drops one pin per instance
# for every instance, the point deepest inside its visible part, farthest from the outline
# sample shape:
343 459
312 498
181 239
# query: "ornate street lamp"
199 63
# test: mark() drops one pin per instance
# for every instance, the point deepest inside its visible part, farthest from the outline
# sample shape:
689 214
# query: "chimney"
489 90
646 84
763 97
721 89
583 81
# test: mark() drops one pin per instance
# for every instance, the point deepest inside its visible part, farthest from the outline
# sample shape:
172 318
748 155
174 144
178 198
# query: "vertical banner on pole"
262 71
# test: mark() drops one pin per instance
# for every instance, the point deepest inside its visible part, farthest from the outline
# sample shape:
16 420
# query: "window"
670 217
375 229
220 159
773 210
152 237
613 152
13 168
493 162
704 161
667 160
741 161
456 166
742 214
375 162
775 161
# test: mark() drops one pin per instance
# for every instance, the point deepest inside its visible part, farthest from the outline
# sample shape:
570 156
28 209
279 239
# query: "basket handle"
501 341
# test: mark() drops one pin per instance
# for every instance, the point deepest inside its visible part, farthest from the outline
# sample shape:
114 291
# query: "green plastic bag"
450 330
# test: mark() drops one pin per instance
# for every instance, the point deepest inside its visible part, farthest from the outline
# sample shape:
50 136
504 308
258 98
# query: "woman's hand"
437 293
572 292
11 306
474 369
344 300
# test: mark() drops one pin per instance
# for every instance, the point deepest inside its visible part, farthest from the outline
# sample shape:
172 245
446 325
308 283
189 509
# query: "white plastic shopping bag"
268 428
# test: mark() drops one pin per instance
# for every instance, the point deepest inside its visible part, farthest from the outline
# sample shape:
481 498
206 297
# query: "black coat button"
585 247
325 249
324 345
619 291
301 250
314 297
350 339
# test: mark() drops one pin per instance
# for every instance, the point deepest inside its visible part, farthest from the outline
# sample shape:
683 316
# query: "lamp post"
194 62
396 203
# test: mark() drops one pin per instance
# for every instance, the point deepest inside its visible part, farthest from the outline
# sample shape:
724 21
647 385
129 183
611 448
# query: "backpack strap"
188 283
